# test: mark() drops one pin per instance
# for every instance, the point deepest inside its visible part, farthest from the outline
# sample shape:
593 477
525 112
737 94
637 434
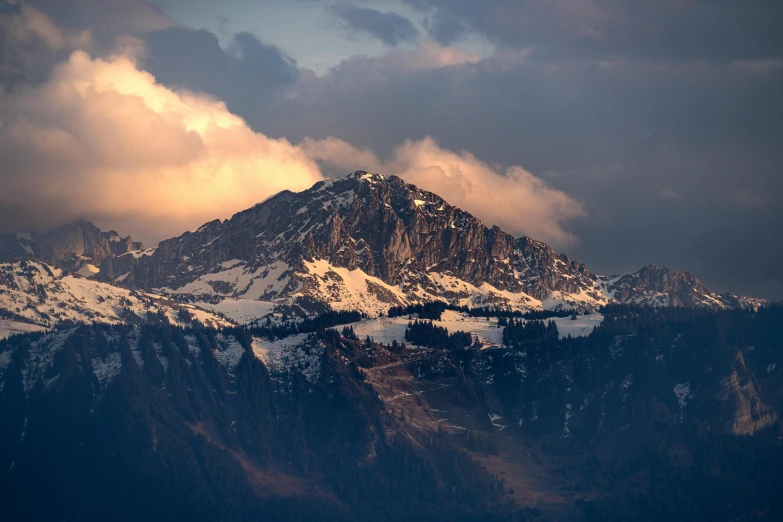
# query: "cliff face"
744 412
69 246
393 232
396 244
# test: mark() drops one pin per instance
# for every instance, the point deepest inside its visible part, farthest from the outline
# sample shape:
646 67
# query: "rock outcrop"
70 246
400 243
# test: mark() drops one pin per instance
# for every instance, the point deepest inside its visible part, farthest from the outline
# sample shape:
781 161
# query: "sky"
621 133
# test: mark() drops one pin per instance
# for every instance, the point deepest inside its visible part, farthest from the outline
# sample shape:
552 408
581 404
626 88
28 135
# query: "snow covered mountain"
36 296
367 242
665 287
292 416
79 246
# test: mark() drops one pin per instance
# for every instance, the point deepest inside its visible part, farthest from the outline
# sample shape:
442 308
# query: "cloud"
687 30
246 76
446 29
102 139
745 198
390 28
105 139
106 19
366 80
427 55
669 193
509 197
31 43
33 24
339 157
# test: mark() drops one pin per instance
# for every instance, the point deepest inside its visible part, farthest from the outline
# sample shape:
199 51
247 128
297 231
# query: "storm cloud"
677 30
246 76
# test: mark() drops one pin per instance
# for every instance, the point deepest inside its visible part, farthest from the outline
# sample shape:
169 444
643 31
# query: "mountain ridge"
376 242
37 296
77 246
513 416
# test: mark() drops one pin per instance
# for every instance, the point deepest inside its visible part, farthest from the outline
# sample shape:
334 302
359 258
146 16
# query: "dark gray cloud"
720 30
390 28
705 206
105 19
246 76
37 34
445 28
677 166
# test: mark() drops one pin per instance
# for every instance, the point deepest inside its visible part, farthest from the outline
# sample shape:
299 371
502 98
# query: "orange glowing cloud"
102 138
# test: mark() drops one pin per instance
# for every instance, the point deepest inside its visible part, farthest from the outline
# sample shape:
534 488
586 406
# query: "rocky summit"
367 242
76 246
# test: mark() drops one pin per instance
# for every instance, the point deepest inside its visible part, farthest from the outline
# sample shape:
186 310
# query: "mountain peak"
364 175
72 246
368 242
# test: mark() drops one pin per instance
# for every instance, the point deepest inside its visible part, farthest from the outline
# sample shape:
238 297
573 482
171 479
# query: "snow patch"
385 330
345 289
88 270
566 430
290 355
683 393
243 311
46 296
229 353
9 328
107 368
582 326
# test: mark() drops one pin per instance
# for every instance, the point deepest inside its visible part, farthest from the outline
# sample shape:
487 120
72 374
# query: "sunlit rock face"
368 241
744 411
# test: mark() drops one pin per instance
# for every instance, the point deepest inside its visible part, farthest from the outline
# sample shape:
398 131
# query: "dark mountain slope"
662 413
157 423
